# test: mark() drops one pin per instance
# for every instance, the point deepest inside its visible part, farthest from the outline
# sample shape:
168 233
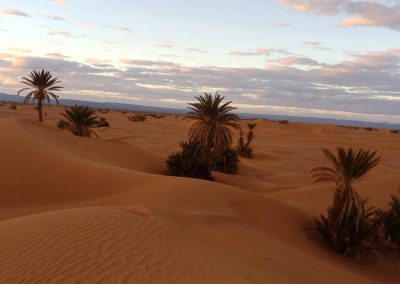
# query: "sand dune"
101 211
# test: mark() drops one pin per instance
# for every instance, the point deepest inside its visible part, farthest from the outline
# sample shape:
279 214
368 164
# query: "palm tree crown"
41 86
348 166
80 121
214 122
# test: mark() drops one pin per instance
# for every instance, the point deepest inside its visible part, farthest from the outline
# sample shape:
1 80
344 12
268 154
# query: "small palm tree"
80 120
213 125
349 227
42 86
244 148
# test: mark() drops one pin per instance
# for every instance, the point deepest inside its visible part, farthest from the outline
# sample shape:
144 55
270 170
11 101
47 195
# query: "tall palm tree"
349 226
41 86
80 120
214 122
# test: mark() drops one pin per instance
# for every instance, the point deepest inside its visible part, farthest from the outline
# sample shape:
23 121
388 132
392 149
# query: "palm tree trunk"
40 110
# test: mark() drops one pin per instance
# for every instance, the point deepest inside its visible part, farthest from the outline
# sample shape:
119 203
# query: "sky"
317 58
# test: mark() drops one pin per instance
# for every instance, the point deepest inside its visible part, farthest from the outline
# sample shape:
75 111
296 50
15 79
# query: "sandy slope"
100 211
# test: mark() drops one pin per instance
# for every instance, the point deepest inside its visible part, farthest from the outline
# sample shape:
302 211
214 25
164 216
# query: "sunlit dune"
77 210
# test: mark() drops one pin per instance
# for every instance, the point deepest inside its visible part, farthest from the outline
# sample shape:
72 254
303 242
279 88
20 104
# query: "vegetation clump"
13 106
102 122
80 121
137 117
244 149
156 115
390 221
350 227
192 161
228 162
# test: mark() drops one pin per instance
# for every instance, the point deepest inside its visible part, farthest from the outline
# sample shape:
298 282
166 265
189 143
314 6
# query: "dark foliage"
349 227
390 220
244 149
102 122
80 120
138 117
192 161
228 163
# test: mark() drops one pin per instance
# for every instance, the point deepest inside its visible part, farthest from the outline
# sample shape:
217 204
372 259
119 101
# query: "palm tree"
213 125
80 120
243 147
42 86
349 227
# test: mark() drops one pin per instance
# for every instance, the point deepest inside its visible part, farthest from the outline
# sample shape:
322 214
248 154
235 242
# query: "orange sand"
77 210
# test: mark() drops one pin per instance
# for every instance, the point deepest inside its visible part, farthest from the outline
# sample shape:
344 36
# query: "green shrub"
102 122
228 163
192 161
137 117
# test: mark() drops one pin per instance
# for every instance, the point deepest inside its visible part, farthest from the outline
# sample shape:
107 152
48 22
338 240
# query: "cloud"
56 18
60 33
56 55
359 13
363 87
15 13
164 43
60 2
119 28
282 24
257 52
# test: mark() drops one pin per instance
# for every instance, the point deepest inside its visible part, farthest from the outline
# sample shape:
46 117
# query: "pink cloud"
15 13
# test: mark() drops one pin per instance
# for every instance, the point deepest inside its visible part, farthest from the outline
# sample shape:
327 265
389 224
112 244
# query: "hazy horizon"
335 59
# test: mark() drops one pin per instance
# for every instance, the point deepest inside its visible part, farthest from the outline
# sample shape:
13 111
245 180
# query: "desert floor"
77 210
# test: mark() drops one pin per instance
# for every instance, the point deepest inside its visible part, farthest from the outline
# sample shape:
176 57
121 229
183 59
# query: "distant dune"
77 210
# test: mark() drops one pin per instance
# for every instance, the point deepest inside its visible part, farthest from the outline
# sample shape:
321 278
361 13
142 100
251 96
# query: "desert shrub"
394 131
228 163
390 221
137 117
124 112
103 110
192 161
283 121
13 106
349 227
80 121
156 115
243 147
62 124
102 122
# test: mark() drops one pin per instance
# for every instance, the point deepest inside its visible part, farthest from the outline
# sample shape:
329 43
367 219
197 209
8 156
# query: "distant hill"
141 108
